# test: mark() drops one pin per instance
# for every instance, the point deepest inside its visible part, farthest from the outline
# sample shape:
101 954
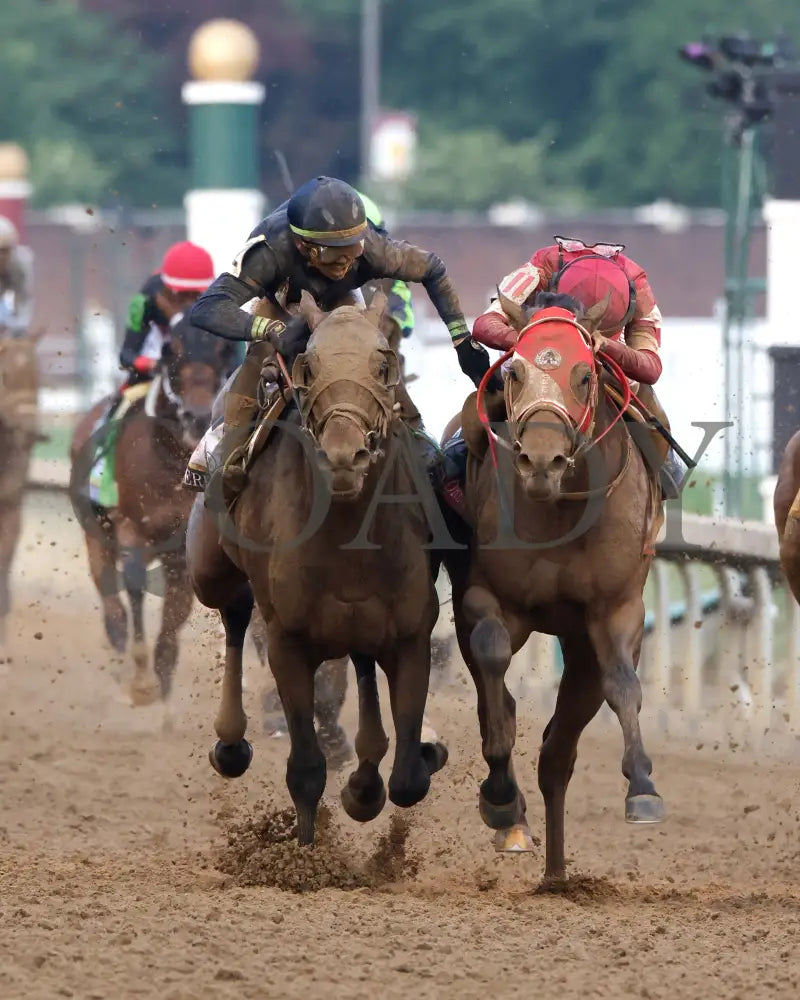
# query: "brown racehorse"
330 683
323 590
562 544
19 383
786 504
153 445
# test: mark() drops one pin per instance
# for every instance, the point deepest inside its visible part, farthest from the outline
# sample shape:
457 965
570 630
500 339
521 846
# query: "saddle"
102 485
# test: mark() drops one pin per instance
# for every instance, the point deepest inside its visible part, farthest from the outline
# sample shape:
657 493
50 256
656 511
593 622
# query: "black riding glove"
474 361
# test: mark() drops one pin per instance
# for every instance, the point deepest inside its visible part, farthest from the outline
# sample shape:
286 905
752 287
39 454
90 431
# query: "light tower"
225 201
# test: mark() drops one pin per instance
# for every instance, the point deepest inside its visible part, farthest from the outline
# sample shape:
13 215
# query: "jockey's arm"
493 328
219 309
388 258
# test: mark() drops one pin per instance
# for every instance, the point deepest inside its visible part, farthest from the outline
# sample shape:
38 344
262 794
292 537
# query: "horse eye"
512 374
586 378
384 371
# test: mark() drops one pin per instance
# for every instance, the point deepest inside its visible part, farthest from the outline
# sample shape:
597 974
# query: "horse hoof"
644 809
516 840
145 694
435 756
231 760
501 817
363 812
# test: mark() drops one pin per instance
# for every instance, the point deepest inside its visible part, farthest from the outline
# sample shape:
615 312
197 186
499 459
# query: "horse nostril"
361 459
559 463
524 464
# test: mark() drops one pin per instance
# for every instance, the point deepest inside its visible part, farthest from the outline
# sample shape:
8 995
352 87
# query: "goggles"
333 255
569 245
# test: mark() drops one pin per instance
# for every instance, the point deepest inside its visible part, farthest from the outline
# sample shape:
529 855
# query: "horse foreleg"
178 599
103 568
487 653
293 668
408 672
364 795
616 637
330 690
145 688
232 754
10 524
580 695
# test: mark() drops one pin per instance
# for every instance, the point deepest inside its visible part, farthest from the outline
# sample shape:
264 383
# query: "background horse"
564 549
786 506
150 451
19 386
321 595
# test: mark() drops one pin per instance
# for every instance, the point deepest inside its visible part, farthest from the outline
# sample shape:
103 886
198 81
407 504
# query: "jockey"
186 271
318 241
16 291
618 303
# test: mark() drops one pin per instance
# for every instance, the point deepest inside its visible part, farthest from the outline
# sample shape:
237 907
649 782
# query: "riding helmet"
187 267
328 212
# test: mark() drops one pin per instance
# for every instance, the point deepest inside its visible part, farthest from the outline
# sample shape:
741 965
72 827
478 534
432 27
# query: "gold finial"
223 49
13 162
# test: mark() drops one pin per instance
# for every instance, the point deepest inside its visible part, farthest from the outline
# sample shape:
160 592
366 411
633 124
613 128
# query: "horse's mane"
549 300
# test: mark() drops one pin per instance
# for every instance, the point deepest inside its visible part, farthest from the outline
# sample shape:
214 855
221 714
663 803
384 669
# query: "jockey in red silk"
612 288
620 308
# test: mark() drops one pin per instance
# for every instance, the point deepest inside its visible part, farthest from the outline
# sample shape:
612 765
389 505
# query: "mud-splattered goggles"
569 245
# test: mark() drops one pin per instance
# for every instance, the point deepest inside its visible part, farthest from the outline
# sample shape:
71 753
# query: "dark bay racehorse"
151 449
562 544
19 382
324 591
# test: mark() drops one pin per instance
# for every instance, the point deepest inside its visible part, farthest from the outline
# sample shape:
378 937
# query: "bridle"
580 430
313 423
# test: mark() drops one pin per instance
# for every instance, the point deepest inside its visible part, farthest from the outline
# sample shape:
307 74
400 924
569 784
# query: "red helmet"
601 286
186 267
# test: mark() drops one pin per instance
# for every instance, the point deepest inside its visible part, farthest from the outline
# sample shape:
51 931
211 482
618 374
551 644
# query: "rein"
588 442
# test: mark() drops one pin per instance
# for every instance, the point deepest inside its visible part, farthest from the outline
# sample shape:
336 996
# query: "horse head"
345 381
551 391
193 369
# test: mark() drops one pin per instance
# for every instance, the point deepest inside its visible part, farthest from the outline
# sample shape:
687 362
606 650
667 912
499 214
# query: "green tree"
625 119
83 98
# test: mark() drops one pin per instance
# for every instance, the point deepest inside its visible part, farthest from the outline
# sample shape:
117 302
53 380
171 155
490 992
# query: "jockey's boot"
241 410
426 447
659 455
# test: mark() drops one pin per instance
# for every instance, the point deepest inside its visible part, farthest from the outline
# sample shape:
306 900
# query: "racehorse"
786 505
564 515
19 384
333 571
150 447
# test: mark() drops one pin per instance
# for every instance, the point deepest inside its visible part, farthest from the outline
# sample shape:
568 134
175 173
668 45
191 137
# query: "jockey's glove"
474 361
266 329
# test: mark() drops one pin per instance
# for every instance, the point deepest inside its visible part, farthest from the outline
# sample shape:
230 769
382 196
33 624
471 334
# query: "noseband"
314 424
580 428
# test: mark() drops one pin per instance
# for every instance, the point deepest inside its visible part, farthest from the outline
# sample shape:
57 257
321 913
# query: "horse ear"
593 316
377 307
310 311
513 310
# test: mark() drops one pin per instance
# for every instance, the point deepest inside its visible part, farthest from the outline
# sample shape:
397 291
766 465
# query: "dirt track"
112 832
